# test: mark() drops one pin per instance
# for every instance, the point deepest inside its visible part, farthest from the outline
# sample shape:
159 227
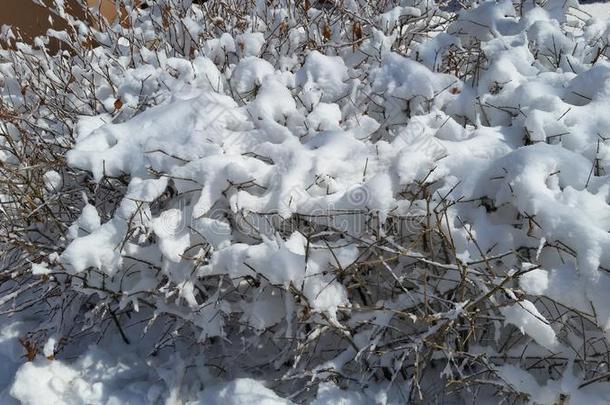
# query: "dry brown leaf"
357 31
30 348
326 32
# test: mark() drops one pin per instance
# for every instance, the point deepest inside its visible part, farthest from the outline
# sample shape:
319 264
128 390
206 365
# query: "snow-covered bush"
356 201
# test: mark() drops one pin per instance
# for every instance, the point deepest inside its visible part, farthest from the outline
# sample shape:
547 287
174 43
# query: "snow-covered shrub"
349 201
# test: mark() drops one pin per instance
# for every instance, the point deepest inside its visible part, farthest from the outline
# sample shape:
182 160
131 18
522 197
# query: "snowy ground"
317 204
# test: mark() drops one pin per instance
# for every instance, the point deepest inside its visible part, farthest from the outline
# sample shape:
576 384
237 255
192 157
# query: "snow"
95 378
290 207
40 269
528 319
567 387
597 10
53 181
239 391
322 78
249 74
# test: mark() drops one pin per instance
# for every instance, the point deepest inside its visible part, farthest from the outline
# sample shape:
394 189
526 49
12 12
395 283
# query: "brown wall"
32 20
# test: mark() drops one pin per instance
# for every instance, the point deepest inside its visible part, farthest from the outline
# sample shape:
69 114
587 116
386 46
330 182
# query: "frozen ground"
329 204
